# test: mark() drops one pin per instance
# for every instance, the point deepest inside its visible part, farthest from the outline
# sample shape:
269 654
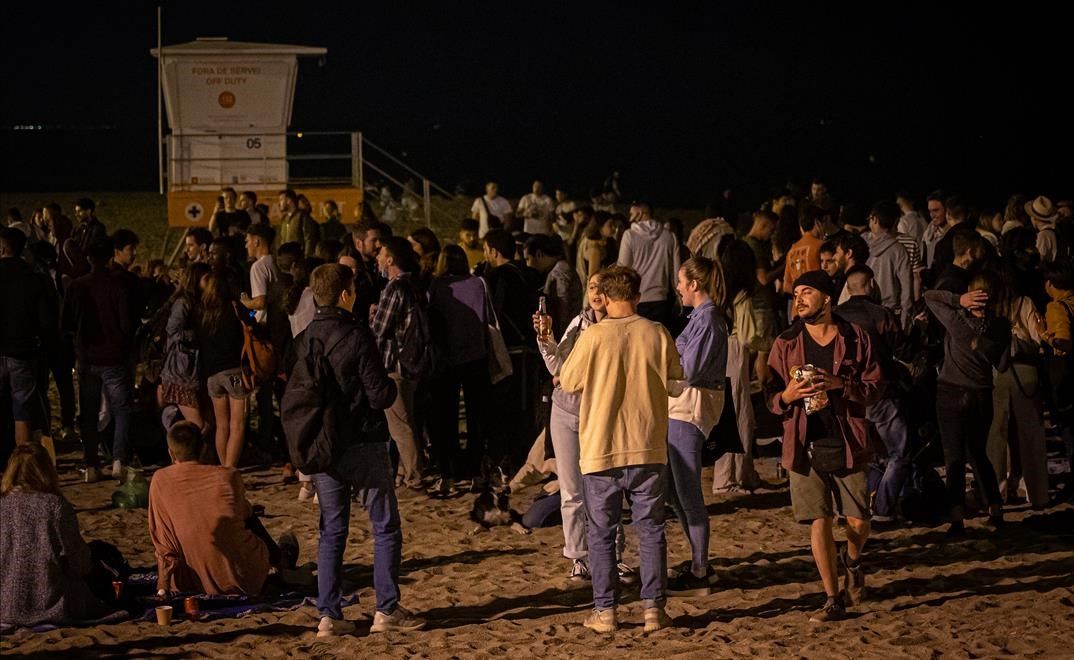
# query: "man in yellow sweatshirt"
621 366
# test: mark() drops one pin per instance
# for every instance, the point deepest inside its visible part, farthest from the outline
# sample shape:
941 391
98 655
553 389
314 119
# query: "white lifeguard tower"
229 108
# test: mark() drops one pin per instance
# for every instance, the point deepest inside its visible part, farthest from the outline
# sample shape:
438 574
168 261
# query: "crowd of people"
633 352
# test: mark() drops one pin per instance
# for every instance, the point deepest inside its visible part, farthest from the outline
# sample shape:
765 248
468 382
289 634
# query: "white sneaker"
118 470
306 492
580 571
329 627
400 619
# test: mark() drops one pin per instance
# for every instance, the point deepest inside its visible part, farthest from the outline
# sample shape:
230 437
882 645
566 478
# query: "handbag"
181 365
499 360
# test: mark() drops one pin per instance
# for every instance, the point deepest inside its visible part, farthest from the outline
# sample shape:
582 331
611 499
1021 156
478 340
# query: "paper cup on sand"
164 615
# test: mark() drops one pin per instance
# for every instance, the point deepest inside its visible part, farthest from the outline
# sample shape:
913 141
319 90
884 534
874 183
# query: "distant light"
300 135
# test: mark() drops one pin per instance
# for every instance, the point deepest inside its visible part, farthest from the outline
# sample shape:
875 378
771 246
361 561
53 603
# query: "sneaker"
400 619
833 610
602 621
656 619
91 475
627 575
306 492
288 550
329 627
853 578
580 571
443 489
118 470
688 584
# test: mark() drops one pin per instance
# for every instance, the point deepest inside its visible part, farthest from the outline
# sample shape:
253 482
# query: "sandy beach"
499 594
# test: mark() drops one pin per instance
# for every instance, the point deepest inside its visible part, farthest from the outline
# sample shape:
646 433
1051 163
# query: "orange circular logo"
227 100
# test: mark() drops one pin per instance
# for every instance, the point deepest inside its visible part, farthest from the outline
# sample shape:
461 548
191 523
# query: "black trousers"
964 416
473 379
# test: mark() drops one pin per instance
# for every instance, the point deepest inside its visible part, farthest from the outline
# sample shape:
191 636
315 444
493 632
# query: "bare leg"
193 415
823 544
236 437
220 410
857 534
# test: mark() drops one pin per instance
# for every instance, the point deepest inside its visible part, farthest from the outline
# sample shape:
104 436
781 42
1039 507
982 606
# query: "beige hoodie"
622 367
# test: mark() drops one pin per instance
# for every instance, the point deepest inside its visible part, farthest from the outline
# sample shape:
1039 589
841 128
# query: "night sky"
685 100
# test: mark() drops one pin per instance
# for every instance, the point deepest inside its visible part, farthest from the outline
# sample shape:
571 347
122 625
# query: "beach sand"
498 594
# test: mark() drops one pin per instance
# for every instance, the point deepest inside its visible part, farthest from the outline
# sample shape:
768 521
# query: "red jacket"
855 363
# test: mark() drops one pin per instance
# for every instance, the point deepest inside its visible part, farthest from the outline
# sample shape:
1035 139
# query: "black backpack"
312 408
417 352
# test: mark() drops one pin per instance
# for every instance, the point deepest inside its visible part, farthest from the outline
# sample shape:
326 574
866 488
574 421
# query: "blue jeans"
644 486
18 381
115 382
367 468
890 422
682 476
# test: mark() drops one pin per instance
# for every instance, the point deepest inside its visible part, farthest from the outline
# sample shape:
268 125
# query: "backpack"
417 350
258 360
312 408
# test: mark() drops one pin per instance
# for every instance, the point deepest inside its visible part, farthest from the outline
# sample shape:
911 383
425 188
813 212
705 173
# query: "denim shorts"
18 380
227 383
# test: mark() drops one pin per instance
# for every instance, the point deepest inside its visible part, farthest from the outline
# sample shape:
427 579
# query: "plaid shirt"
392 319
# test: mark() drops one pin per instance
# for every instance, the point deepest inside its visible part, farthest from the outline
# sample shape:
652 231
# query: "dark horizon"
683 102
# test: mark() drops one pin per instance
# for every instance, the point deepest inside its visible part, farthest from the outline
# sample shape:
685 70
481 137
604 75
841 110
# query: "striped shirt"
910 243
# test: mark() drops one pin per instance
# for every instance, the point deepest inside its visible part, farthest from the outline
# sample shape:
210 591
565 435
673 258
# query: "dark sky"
685 99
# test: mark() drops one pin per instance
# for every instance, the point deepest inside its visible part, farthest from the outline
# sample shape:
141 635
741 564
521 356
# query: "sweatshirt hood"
879 243
649 229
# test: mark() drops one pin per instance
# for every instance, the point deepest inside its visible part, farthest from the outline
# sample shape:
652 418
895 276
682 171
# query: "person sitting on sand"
44 563
205 535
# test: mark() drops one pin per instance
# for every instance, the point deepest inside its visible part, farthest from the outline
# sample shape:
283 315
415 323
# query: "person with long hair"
977 341
460 308
179 377
733 472
44 563
563 429
1017 402
694 408
219 341
427 246
592 248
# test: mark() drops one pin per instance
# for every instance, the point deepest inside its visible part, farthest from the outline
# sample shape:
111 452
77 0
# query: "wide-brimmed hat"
1041 209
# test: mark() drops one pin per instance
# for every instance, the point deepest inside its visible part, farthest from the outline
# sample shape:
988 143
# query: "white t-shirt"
536 211
500 208
303 315
262 275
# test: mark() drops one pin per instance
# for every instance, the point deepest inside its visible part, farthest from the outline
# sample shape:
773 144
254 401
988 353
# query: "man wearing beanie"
825 432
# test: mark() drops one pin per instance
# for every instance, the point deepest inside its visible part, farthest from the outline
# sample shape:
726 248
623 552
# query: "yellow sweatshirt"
622 367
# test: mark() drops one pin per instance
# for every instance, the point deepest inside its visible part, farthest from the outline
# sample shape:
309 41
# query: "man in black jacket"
364 466
28 311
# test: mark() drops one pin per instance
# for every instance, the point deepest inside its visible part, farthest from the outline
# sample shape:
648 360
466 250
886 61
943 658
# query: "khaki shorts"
812 496
227 383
